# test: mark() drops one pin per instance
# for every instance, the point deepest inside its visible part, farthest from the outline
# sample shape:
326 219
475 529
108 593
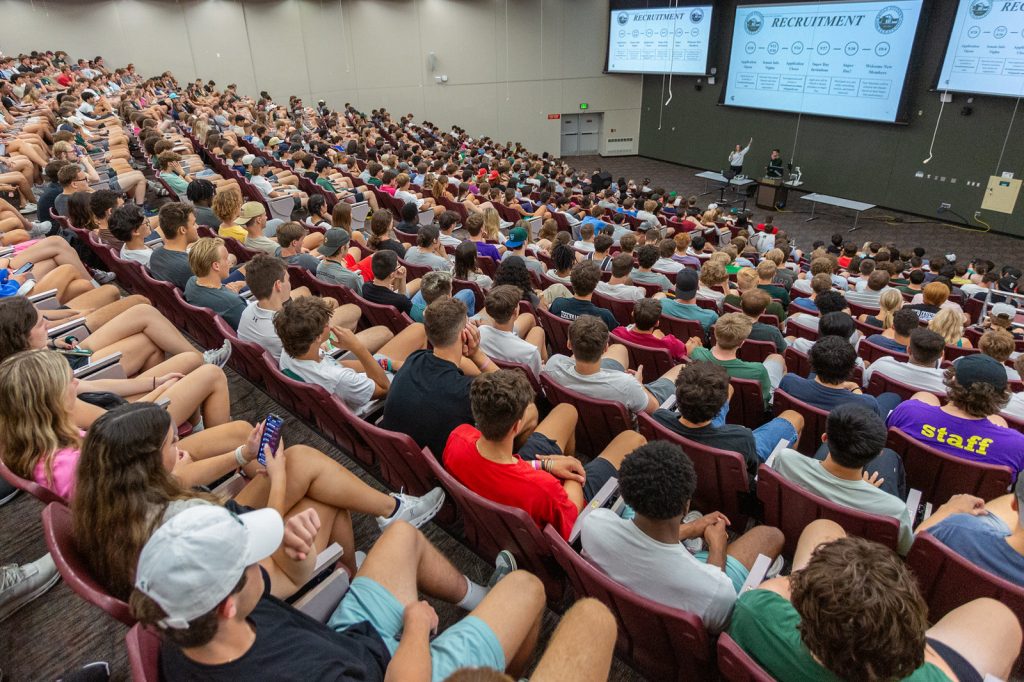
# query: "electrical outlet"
944 206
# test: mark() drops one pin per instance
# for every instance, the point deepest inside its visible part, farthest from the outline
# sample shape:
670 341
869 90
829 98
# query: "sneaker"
218 356
414 510
28 208
776 568
504 564
693 545
40 229
103 277
7 492
21 584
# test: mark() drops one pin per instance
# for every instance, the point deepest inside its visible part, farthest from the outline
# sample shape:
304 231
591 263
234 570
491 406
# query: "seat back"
600 421
856 310
143 653
790 508
736 665
871 352
556 330
662 642
953 352
940 476
879 384
815 420
722 479
797 362
487 265
414 271
200 323
756 351
247 358
386 315
41 493
656 361
680 328
533 378
478 293
746 406
402 462
621 309
57 529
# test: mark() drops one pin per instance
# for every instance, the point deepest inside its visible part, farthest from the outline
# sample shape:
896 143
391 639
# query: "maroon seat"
600 421
948 580
707 304
973 307
414 271
790 508
650 289
662 642
815 420
487 265
402 462
533 378
478 293
386 315
556 330
866 329
680 328
857 310
43 494
794 328
162 295
736 665
200 323
621 309
746 406
241 252
797 362
793 309
756 351
879 384
940 476
723 483
57 528
655 361
951 353
247 358
870 352
143 653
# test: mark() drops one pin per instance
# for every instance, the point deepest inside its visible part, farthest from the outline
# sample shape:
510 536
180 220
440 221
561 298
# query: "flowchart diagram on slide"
986 49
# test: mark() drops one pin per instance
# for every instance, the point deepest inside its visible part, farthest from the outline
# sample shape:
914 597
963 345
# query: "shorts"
767 436
612 365
468 643
776 371
661 389
599 471
114 186
538 444
961 667
734 570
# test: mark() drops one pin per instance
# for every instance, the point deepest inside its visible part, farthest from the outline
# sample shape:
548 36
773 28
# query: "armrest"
104 368
330 556
45 300
75 327
231 487
610 487
320 602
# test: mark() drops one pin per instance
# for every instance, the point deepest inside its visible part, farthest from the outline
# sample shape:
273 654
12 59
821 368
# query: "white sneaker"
218 356
40 229
21 584
504 564
28 208
776 568
414 510
693 545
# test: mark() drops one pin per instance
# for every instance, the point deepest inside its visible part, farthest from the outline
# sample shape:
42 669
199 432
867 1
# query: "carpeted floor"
913 231
60 632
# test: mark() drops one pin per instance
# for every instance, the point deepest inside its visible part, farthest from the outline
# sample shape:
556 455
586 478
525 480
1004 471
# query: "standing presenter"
736 157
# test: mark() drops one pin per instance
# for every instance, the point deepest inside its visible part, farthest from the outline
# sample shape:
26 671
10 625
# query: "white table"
737 183
856 206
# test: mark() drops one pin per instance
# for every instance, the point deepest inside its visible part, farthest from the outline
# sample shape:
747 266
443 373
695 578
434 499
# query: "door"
590 133
570 134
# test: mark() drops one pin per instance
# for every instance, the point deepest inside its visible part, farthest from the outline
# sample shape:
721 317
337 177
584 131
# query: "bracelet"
536 464
239 457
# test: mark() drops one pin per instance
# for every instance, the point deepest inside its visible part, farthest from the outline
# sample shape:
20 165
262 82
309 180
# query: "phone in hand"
271 437
23 269
76 352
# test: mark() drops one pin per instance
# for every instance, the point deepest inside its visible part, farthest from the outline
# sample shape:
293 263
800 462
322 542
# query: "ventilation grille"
619 145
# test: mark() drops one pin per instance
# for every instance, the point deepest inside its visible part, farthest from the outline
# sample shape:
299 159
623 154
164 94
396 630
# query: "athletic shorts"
735 571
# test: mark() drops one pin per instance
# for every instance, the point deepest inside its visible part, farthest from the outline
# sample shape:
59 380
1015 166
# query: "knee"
773 539
526 586
595 614
402 533
630 440
794 418
136 300
210 374
999 618
237 431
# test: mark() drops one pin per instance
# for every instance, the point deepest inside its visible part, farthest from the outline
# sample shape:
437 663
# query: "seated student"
933 297
731 330
200 193
429 396
754 304
888 303
208 259
599 371
618 286
584 278
969 425
870 296
515 245
435 285
169 262
801 627
896 338
234 628
602 245
304 326
835 323
685 305
129 225
389 286
290 238
702 403
714 282
665 262
338 260
227 206
474 228
820 283
382 235
267 279
646 260
766 271
922 370
854 468
832 362
564 258
999 345
646 553
986 534
915 283
428 250
644 331
586 241
446 224
550 486
746 279
255 238
511 336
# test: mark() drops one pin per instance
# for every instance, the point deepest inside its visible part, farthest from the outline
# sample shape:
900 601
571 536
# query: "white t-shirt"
354 388
509 347
137 255
624 292
257 326
262 184
665 573
407 197
924 378
605 384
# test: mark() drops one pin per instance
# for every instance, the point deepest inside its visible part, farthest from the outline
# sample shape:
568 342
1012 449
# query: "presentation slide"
985 54
660 40
846 59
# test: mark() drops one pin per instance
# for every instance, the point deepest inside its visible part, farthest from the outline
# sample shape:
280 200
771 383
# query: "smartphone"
76 352
23 269
271 437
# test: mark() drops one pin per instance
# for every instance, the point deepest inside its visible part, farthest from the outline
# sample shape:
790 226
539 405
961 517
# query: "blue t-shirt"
982 541
571 308
823 397
689 311
887 343
805 303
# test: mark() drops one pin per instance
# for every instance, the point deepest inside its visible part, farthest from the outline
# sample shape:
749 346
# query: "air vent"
619 145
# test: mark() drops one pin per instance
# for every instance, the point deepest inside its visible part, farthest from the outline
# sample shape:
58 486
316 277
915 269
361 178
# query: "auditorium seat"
736 665
600 421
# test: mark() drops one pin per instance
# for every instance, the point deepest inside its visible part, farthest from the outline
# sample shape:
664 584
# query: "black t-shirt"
290 646
924 311
732 437
45 202
429 397
571 308
384 296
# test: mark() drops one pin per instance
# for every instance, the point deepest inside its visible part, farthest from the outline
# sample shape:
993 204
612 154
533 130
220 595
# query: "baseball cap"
972 369
192 562
248 159
250 210
334 240
259 162
274 141
1004 310
687 282
516 237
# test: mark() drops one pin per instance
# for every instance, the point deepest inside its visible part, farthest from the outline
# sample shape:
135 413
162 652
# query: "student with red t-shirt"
644 331
550 486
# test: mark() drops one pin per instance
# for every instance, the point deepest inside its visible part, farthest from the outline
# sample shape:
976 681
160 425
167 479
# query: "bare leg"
524 324
536 338
375 338
215 440
623 444
983 631
766 540
816 533
145 320
205 390
94 297
410 339
560 426
617 352
347 316
99 317
581 647
513 610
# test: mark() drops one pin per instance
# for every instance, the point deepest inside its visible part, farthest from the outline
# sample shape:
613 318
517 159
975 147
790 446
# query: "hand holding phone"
23 269
271 437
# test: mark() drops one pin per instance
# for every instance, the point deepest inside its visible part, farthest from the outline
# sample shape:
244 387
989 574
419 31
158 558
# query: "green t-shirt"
741 369
325 184
764 624
773 308
776 292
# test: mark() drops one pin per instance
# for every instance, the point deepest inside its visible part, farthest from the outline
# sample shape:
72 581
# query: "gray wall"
509 63
869 162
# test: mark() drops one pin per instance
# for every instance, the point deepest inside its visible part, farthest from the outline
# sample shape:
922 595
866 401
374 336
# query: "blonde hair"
34 419
203 254
61 147
226 206
949 324
731 330
492 224
746 279
890 301
712 274
722 257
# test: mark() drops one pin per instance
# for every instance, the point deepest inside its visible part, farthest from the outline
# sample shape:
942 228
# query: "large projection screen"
985 53
660 40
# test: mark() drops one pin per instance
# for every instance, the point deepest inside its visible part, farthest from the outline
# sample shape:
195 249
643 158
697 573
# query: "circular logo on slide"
889 19
750 48
754 23
697 15
980 8
623 18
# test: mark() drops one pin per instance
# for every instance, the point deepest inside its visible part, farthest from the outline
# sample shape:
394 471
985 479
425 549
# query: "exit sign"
584 105
554 117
